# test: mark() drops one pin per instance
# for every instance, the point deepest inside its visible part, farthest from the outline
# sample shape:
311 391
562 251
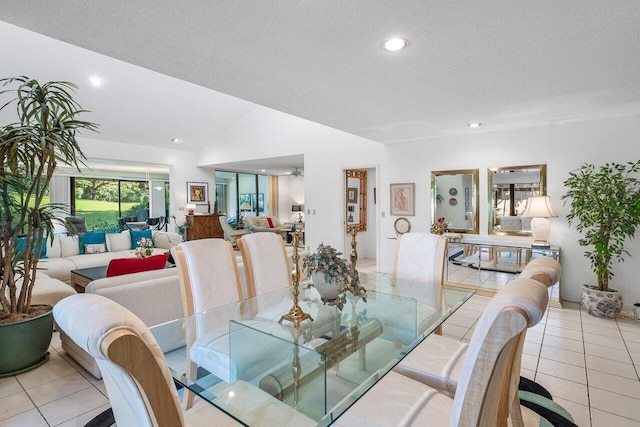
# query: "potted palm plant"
31 148
605 204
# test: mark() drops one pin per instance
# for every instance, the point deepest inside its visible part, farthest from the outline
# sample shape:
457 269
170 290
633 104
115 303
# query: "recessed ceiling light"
176 140
263 170
395 44
95 81
474 125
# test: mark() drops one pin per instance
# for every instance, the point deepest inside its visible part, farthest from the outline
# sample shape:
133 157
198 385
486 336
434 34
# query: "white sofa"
63 253
258 224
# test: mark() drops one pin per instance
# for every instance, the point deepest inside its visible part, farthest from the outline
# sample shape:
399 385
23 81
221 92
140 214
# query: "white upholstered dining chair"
208 274
209 278
266 263
437 361
481 397
135 372
420 257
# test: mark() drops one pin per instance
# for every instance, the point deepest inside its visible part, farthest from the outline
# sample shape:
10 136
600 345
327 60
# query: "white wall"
290 192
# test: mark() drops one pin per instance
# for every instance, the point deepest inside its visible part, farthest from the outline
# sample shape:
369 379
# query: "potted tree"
31 148
605 203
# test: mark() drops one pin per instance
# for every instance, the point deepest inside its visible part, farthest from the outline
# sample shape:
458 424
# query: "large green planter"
25 344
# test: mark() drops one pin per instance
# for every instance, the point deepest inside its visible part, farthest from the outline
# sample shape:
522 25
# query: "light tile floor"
589 365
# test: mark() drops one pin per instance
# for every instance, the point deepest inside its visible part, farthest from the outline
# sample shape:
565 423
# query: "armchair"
229 233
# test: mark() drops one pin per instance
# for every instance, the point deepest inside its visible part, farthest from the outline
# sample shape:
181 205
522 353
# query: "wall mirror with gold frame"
356 199
509 189
454 196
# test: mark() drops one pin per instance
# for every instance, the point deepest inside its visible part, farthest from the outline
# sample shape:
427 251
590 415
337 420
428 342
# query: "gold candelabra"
296 315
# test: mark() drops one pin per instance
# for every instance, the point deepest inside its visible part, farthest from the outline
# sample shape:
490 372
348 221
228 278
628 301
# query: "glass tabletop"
240 358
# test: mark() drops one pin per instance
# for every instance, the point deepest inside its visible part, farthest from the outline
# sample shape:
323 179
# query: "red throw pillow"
120 266
270 221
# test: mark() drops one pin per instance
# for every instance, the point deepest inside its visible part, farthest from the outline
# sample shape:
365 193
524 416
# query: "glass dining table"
241 359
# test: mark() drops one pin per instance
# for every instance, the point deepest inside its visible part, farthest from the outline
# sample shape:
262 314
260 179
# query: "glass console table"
486 266
257 369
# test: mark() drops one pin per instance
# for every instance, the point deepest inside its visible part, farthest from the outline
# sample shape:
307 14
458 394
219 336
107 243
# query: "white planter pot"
607 304
328 291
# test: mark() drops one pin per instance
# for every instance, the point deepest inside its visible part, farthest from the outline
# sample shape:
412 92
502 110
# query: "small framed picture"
402 199
352 195
197 193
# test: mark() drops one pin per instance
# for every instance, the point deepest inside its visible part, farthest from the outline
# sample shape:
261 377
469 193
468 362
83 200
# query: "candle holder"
296 315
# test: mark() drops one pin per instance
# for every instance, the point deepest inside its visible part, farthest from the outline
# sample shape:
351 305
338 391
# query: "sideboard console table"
486 266
204 227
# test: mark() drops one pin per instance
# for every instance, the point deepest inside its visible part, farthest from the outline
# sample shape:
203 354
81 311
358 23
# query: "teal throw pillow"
21 245
91 238
136 235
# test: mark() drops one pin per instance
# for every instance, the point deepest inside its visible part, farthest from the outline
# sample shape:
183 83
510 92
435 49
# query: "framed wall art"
352 195
198 193
402 199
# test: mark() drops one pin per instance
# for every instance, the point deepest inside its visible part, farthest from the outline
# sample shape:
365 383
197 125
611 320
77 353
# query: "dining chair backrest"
135 372
482 395
266 263
208 274
420 258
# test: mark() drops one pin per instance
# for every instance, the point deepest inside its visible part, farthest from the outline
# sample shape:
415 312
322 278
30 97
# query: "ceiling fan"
296 172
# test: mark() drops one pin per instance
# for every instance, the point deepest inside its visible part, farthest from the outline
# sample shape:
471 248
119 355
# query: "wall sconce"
190 207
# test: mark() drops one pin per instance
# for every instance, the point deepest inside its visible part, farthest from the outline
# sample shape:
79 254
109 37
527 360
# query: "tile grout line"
586 370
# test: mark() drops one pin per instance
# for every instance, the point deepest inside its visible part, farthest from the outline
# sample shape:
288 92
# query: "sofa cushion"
57 268
92 238
69 246
166 240
270 222
93 260
121 266
119 241
95 248
136 235
53 247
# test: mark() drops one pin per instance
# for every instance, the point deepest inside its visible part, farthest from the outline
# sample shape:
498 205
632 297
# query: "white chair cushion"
436 362
398 401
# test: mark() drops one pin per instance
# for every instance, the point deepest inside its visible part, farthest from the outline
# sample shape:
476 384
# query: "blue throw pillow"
21 245
136 235
92 238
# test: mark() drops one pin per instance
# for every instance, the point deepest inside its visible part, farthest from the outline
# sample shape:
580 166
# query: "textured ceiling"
505 63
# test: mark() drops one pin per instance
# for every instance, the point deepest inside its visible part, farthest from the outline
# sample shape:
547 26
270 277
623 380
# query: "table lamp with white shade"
298 209
244 207
539 208
190 207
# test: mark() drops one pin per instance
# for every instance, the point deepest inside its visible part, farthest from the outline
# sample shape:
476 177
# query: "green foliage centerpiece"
332 276
605 204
